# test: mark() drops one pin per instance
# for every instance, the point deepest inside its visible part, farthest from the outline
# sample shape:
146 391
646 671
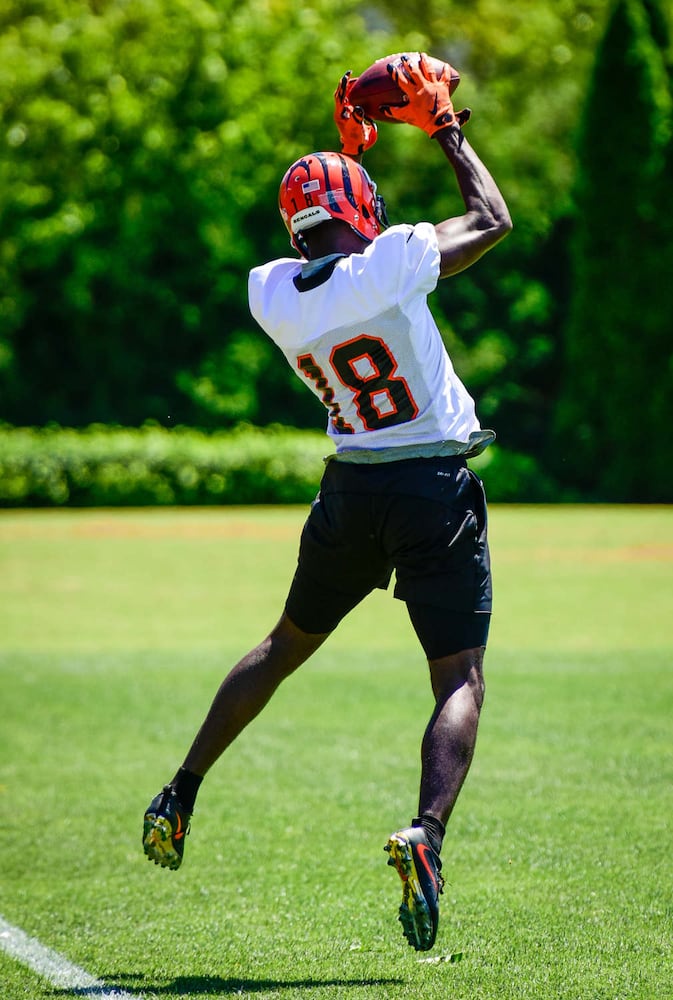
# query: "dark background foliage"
140 152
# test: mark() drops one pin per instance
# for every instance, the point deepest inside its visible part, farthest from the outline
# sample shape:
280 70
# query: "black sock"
186 785
434 830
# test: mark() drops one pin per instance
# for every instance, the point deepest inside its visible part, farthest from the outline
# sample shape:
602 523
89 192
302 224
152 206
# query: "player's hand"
428 94
356 132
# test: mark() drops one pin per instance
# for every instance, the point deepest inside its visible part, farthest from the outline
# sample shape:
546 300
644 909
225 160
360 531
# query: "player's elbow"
498 221
462 242
504 224
495 229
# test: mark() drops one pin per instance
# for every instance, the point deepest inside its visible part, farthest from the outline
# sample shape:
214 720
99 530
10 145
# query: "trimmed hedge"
105 466
510 477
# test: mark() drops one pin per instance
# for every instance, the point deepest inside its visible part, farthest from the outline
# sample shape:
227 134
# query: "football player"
350 315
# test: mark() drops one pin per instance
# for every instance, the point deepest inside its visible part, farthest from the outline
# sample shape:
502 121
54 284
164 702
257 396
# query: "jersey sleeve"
401 263
265 283
419 265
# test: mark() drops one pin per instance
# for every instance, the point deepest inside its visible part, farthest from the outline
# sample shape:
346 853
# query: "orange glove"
356 132
429 98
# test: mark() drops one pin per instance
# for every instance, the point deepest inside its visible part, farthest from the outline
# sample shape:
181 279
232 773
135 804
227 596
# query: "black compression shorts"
423 518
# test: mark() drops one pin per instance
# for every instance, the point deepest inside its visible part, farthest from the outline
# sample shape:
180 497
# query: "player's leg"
446 754
450 737
438 536
247 688
338 565
444 576
242 695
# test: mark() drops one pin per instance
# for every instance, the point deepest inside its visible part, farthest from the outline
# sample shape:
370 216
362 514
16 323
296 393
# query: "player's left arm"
464 239
429 106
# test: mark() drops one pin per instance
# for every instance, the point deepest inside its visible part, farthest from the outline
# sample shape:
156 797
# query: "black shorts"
424 518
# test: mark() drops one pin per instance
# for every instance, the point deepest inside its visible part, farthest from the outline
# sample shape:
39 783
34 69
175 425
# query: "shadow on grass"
213 985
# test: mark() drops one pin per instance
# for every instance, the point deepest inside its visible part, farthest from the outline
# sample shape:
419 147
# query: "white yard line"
54 967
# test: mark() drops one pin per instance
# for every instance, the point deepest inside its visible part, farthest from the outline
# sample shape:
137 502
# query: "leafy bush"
510 477
104 466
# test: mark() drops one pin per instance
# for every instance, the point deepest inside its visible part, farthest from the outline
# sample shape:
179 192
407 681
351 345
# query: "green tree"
617 400
140 153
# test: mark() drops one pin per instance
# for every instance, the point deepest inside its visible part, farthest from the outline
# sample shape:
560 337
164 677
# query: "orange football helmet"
324 186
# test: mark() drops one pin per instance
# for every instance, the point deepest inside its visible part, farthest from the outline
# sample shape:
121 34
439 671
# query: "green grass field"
115 630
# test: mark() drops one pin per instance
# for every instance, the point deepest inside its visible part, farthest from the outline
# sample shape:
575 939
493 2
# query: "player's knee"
290 645
477 685
450 673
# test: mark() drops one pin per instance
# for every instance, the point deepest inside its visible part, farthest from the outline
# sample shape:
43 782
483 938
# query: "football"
374 88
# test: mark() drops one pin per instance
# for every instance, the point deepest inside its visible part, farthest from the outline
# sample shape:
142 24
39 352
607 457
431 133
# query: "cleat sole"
414 913
157 842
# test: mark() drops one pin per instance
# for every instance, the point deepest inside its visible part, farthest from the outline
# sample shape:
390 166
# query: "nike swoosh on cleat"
422 851
179 833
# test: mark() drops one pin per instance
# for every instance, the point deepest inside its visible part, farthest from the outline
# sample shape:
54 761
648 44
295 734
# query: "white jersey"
357 329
